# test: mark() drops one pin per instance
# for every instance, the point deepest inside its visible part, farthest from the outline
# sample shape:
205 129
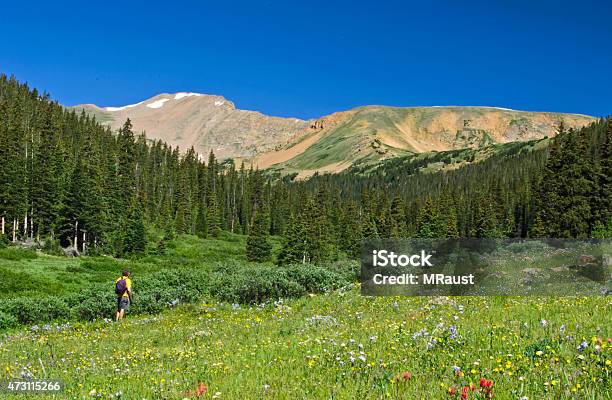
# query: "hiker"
123 289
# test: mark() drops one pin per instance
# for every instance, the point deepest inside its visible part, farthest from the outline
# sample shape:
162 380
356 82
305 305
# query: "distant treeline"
67 180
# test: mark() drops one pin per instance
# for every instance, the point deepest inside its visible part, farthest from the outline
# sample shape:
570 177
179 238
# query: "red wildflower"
483 382
199 392
464 392
406 375
452 390
201 389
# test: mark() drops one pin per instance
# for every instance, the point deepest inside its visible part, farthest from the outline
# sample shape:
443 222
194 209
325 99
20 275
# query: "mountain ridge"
333 142
205 122
374 133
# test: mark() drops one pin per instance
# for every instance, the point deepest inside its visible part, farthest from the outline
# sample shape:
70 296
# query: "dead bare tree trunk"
233 207
3 225
15 227
83 241
76 237
25 225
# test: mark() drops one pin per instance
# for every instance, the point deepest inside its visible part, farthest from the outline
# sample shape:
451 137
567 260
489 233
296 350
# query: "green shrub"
52 247
102 264
94 301
152 293
29 310
315 279
7 321
348 269
17 253
75 269
231 281
98 301
255 285
12 282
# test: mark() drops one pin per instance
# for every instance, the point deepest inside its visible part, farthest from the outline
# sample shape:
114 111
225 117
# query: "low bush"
95 301
75 269
12 282
315 279
28 310
14 253
349 269
7 321
255 284
52 247
102 264
231 281
4 241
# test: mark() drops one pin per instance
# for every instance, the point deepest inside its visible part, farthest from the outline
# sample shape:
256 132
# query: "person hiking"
123 289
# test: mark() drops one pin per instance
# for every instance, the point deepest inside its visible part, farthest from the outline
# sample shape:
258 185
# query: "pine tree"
351 233
567 187
368 226
258 248
397 218
384 223
126 163
213 223
45 191
15 184
602 202
429 223
486 222
538 228
451 229
319 242
294 249
602 231
134 238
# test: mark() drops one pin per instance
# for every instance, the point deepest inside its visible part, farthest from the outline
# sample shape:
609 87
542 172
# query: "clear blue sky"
311 58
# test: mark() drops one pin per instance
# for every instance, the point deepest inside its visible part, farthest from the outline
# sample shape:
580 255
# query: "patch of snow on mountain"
497 108
123 107
179 96
157 103
219 103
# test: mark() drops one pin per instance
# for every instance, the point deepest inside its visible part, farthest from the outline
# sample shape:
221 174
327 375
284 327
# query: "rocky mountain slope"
373 133
331 143
202 121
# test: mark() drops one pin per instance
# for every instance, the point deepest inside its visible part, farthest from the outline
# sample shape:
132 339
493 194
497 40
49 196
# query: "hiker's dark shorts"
123 303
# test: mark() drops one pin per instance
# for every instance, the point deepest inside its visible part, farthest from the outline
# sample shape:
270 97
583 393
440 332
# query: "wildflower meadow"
333 345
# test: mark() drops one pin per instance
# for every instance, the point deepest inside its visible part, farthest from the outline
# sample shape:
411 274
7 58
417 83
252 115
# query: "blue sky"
310 58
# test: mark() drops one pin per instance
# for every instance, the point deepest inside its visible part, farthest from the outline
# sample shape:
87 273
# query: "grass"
337 345
28 273
433 162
